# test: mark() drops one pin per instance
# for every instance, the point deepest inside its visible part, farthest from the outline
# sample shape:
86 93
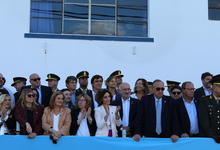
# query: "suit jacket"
46 93
199 93
102 125
209 113
88 92
132 114
145 123
64 121
183 117
21 117
74 126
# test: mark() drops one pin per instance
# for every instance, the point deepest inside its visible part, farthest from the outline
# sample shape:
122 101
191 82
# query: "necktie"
158 117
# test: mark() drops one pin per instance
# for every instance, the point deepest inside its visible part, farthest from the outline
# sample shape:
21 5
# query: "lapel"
121 110
131 108
153 112
183 107
163 111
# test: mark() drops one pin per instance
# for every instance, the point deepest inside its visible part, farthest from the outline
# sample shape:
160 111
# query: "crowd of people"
115 111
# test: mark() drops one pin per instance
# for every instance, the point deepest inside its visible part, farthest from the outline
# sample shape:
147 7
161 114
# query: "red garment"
21 117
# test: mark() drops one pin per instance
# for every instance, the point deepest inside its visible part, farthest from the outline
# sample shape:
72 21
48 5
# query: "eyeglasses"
31 95
160 89
37 79
176 93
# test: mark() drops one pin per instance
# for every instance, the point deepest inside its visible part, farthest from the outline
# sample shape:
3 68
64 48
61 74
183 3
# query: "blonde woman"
56 118
29 114
7 120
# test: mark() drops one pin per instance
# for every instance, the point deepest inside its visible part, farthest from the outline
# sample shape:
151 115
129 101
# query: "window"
127 18
214 9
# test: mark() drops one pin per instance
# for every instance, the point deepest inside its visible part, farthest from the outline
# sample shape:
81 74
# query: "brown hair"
145 84
100 94
23 95
87 98
53 97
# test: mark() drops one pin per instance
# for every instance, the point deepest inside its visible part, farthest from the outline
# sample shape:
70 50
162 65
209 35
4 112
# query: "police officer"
209 111
53 80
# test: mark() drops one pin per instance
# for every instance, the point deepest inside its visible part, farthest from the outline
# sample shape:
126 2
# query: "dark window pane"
214 9
103 28
214 14
132 29
76 1
46 1
76 26
103 13
133 2
76 11
46 10
45 26
130 13
103 2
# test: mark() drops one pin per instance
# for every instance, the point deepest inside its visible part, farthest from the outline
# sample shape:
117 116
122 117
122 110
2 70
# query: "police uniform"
209 113
15 81
51 77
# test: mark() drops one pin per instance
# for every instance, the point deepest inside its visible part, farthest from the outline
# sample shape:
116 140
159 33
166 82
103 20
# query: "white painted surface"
186 45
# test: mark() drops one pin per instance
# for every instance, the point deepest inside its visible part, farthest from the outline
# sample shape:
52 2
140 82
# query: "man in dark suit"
18 84
44 91
96 82
187 112
83 84
206 89
155 115
128 110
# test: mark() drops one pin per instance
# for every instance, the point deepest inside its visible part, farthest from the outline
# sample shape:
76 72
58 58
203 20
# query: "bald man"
44 91
128 109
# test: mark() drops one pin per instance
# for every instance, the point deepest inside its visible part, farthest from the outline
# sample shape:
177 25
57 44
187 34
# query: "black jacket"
145 123
132 114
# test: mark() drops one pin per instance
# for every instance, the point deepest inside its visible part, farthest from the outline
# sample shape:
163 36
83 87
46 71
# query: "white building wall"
185 45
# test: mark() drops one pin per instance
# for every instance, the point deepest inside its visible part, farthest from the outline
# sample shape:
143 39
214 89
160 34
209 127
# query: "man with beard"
206 89
83 84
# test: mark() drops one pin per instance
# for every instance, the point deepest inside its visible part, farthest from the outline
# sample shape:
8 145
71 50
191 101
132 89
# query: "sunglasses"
176 93
82 100
37 79
160 89
31 95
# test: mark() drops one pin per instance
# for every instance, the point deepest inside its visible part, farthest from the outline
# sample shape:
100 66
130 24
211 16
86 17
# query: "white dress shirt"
126 110
207 92
192 113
